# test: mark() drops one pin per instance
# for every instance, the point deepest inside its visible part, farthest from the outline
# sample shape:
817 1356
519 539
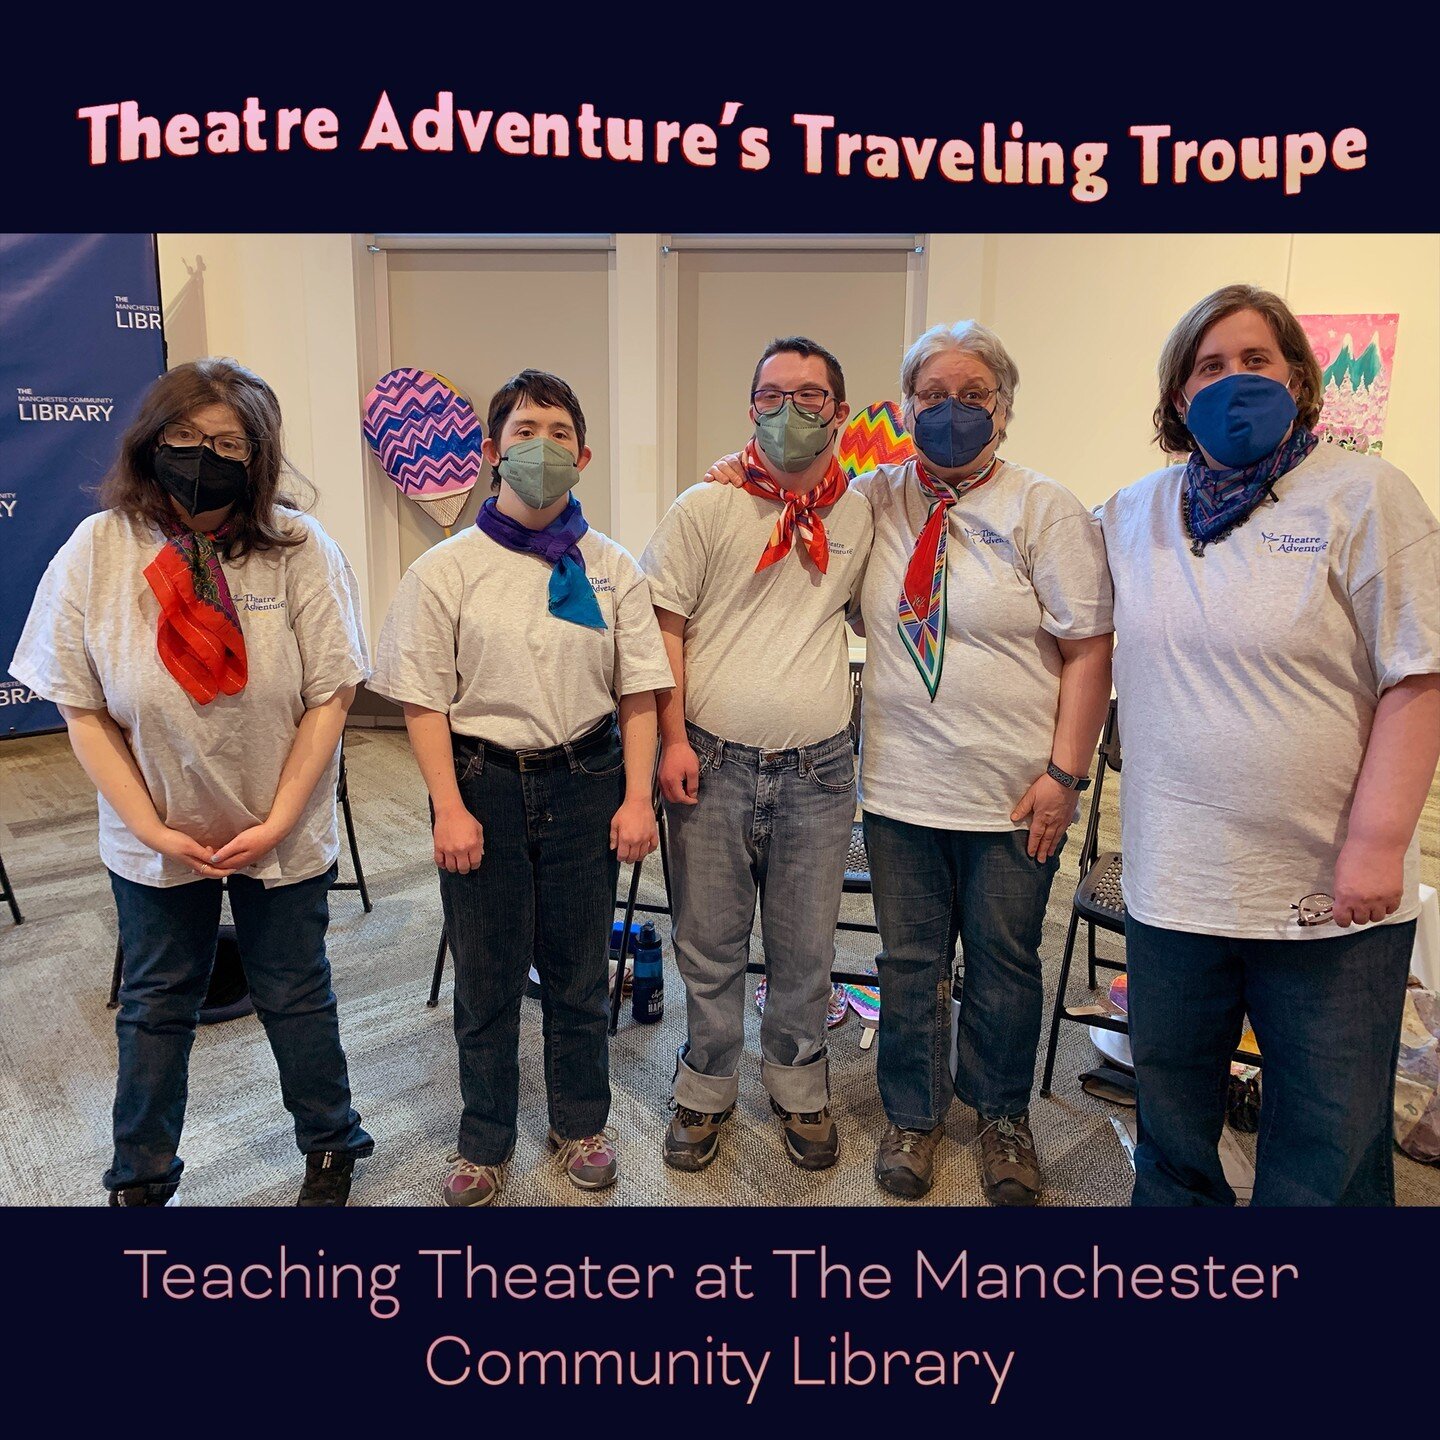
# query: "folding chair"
7 894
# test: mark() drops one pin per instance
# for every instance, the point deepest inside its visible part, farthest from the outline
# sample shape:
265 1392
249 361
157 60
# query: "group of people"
1273 608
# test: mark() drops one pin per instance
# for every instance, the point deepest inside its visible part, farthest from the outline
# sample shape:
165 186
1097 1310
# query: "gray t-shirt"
1248 679
766 659
1025 567
211 770
469 635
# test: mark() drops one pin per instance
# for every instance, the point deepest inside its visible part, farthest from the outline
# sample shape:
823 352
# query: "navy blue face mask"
1240 419
951 434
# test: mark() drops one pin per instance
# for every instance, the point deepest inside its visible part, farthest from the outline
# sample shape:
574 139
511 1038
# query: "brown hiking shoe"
905 1160
692 1138
1009 1166
812 1141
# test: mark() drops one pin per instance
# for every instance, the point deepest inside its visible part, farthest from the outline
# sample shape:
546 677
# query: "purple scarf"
572 597
1216 502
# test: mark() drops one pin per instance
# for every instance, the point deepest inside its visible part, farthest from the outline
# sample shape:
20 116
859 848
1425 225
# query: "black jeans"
168 935
543 895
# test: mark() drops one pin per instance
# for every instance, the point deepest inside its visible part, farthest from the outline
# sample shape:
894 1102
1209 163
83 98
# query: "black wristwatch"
1077 783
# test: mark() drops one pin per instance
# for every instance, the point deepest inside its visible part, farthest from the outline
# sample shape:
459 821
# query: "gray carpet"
57 1045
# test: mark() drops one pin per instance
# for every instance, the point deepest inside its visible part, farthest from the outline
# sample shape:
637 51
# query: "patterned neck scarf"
572 597
198 638
799 512
1216 502
922 597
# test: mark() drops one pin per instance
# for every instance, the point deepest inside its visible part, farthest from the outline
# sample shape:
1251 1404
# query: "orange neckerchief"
799 512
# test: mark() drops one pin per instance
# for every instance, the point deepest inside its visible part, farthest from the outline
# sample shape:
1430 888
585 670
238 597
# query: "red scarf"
800 512
199 636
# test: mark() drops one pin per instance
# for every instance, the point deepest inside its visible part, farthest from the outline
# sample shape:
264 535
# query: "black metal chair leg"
113 1003
434 999
1091 942
1059 1004
354 844
7 893
618 992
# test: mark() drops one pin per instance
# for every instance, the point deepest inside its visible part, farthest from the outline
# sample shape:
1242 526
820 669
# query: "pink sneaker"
471 1184
590 1163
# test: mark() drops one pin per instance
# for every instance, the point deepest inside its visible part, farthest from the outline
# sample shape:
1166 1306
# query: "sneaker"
589 1164
327 1177
837 1008
905 1160
692 1138
812 1141
155 1193
1009 1166
471 1184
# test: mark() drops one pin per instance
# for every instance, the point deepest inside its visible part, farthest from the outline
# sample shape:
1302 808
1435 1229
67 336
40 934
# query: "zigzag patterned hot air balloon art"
426 435
874 436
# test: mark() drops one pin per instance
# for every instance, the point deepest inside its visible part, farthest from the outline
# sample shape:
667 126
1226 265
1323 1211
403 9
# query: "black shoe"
327 1177
155 1193
811 1141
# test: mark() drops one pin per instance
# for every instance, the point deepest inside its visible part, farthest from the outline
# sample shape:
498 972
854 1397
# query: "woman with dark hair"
203 642
1277 613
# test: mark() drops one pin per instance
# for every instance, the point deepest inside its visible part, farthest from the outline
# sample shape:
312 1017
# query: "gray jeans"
772 823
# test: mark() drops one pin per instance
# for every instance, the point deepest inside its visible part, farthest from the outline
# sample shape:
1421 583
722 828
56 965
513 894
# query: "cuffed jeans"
931 886
1326 1014
167 936
543 895
772 824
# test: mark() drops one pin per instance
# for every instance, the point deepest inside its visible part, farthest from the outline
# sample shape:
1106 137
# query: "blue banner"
80 343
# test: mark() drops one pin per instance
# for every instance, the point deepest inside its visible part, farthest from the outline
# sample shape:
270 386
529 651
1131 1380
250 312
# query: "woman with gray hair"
986 610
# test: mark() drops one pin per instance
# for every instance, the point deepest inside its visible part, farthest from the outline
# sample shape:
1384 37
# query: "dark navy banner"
80 342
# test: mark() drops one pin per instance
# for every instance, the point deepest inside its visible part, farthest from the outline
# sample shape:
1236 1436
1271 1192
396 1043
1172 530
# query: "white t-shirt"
1025 567
766 658
1248 679
211 770
469 635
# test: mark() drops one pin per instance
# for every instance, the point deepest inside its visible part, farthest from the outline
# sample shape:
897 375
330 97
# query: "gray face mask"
539 471
791 439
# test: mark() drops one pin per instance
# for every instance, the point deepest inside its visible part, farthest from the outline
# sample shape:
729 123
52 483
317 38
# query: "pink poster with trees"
1356 355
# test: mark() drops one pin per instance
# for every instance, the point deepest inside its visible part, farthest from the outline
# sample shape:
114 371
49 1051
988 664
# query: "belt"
596 738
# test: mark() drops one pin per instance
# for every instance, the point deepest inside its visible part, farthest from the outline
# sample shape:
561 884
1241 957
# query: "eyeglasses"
810 398
1317 909
228 447
973 395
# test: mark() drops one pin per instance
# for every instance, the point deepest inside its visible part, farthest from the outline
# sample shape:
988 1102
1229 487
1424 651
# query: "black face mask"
198 478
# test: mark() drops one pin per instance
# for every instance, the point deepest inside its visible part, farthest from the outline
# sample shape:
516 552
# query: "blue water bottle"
647 1000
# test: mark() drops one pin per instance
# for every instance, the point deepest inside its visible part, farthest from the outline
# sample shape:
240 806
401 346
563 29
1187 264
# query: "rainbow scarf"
199 639
800 512
923 595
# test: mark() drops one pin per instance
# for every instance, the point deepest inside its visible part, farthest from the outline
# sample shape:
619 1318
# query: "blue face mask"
1240 419
951 434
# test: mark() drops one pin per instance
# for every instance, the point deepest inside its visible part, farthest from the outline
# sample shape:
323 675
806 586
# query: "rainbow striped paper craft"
874 436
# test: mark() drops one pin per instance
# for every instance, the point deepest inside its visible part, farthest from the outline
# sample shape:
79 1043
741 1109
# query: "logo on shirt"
8 502
601 584
251 603
129 316
92 409
1284 543
836 548
984 536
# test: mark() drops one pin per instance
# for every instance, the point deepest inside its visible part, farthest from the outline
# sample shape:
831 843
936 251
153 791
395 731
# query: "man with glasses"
751 587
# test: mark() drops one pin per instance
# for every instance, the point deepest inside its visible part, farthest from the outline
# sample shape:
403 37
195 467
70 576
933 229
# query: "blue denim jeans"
931 886
1326 1014
772 824
167 935
543 895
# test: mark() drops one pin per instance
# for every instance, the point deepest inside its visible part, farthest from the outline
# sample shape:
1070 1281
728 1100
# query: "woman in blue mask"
986 612
1277 611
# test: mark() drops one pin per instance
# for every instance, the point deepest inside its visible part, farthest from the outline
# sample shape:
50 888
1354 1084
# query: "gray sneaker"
812 1141
692 1138
1009 1166
905 1160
